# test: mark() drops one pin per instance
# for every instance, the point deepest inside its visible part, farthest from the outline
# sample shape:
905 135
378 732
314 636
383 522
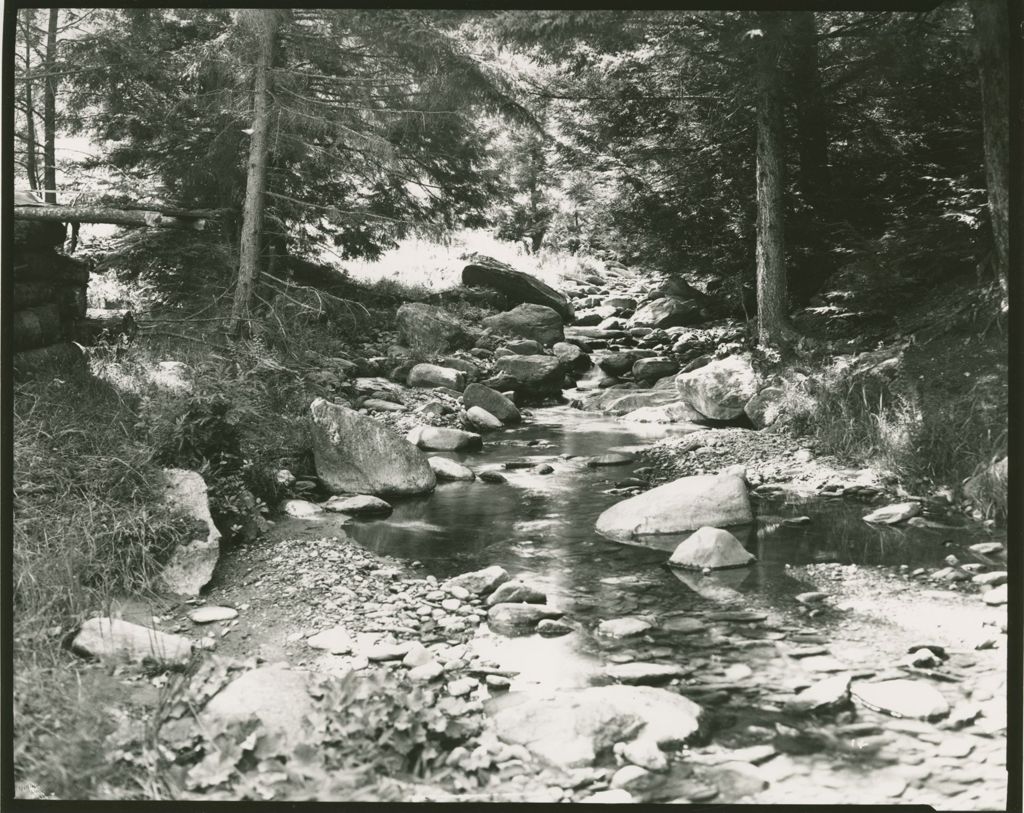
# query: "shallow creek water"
540 527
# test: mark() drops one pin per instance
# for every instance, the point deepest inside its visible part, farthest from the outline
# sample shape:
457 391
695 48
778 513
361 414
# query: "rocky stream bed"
849 661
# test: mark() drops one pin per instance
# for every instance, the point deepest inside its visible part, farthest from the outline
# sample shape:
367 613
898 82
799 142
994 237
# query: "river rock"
483 420
554 627
427 330
721 389
536 322
619 402
443 439
539 374
516 616
763 409
685 504
122 640
525 347
639 673
618 364
710 548
570 355
572 727
903 698
355 454
620 303
892 514
359 505
669 311
301 509
625 627
432 375
191 565
447 470
210 613
275 695
683 624
672 412
651 369
611 459
426 672
518 286
996 597
492 477
515 591
478 395
827 693
337 641
382 406
479 582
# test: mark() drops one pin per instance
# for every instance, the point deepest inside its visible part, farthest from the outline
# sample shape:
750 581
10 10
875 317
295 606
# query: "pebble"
461 593
451 604
416 656
337 641
426 672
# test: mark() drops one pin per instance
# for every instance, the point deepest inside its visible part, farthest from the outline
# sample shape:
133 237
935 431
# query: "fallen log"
108 327
111 215
36 327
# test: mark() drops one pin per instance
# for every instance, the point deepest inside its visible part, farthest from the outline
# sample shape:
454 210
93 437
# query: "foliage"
366 729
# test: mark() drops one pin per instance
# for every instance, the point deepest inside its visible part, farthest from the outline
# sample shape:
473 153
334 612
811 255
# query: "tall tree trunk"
267 23
771 263
991 30
31 162
50 111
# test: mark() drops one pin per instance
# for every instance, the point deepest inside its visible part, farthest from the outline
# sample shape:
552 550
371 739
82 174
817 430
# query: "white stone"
211 613
275 694
482 419
115 638
710 548
301 509
191 565
721 388
903 698
449 470
337 641
359 504
623 627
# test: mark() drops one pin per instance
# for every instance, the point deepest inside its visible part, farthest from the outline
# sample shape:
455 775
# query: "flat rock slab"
571 728
122 640
211 613
276 695
337 641
360 505
479 582
515 591
623 627
891 514
684 625
301 509
903 698
519 616
640 673
611 459
832 691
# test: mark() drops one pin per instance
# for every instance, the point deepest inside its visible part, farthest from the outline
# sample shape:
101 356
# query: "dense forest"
250 241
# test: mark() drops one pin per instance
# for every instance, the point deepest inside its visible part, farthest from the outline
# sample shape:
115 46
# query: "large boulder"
535 374
764 408
482 420
629 401
571 356
710 548
426 329
573 727
668 311
443 438
279 697
449 471
619 363
537 322
478 395
355 454
672 412
191 565
433 375
518 286
719 390
682 505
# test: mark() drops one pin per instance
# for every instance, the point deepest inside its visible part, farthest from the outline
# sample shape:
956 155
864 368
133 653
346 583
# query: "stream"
540 527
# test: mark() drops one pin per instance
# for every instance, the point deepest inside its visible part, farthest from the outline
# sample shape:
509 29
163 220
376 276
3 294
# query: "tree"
28 17
50 110
991 30
266 22
771 261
